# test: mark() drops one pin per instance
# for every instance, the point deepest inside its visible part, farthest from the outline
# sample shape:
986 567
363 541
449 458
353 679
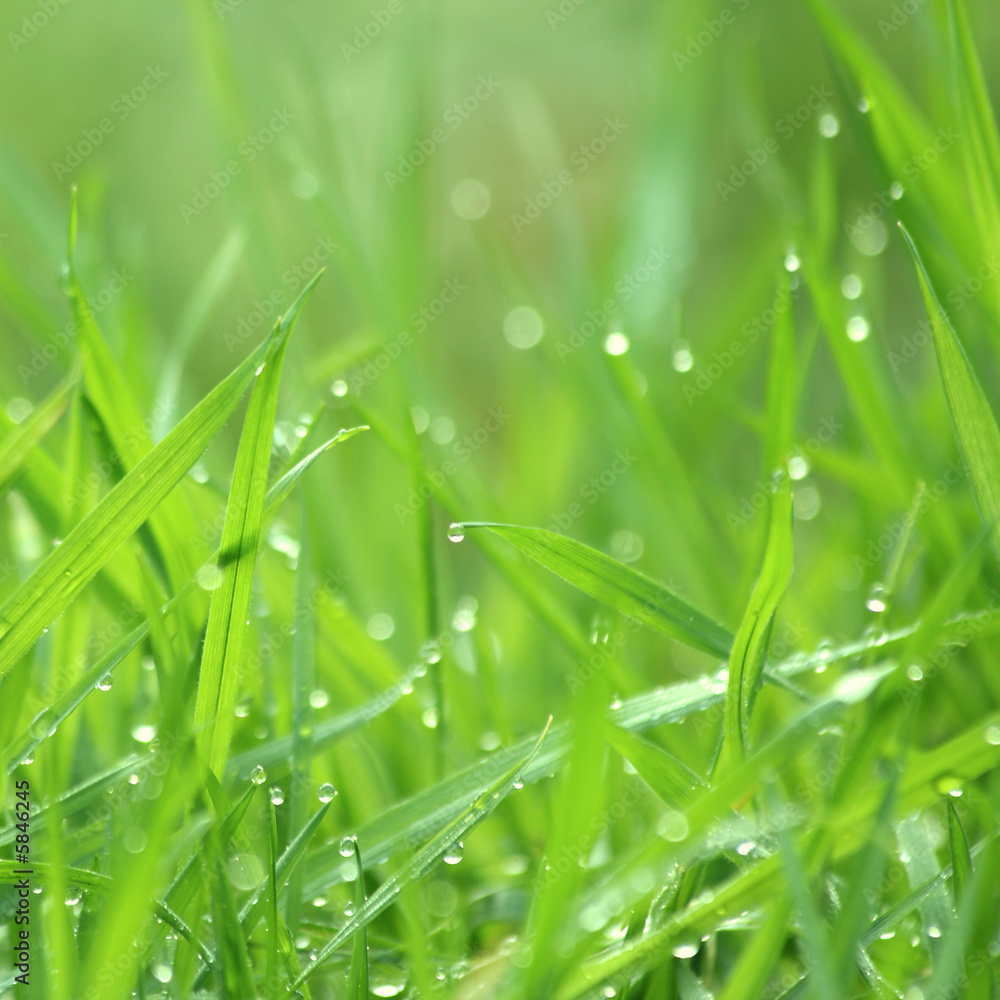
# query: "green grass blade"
48 719
228 618
357 983
746 663
615 584
69 567
961 859
972 418
18 443
424 859
303 682
669 777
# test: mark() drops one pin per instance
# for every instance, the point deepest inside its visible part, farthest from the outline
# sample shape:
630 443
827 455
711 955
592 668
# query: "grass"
562 567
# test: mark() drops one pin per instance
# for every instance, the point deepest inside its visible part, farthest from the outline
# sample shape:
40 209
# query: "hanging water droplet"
933 931
877 599
673 826
346 848
319 698
456 533
792 262
851 286
828 125
992 735
430 652
327 793
453 855
683 359
745 848
104 684
518 784
430 717
339 387
857 329
896 190
616 344
349 908
914 672
687 948
258 775
863 106
276 795
73 895
144 734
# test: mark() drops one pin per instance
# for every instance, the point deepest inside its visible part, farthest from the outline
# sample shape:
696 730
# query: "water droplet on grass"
258 775
456 533
327 793
453 855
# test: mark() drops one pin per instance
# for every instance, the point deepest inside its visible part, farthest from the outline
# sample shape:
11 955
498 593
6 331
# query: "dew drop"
258 775
319 698
327 793
673 826
104 684
851 286
992 735
339 387
857 329
144 734
877 598
349 908
616 344
276 795
914 672
933 931
430 717
73 895
828 125
792 262
453 855
745 848
346 848
686 949
456 533
683 359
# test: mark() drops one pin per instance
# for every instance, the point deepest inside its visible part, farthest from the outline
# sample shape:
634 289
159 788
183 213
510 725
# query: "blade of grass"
746 663
228 617
615 584
357 983
972 418
424 859
70 566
